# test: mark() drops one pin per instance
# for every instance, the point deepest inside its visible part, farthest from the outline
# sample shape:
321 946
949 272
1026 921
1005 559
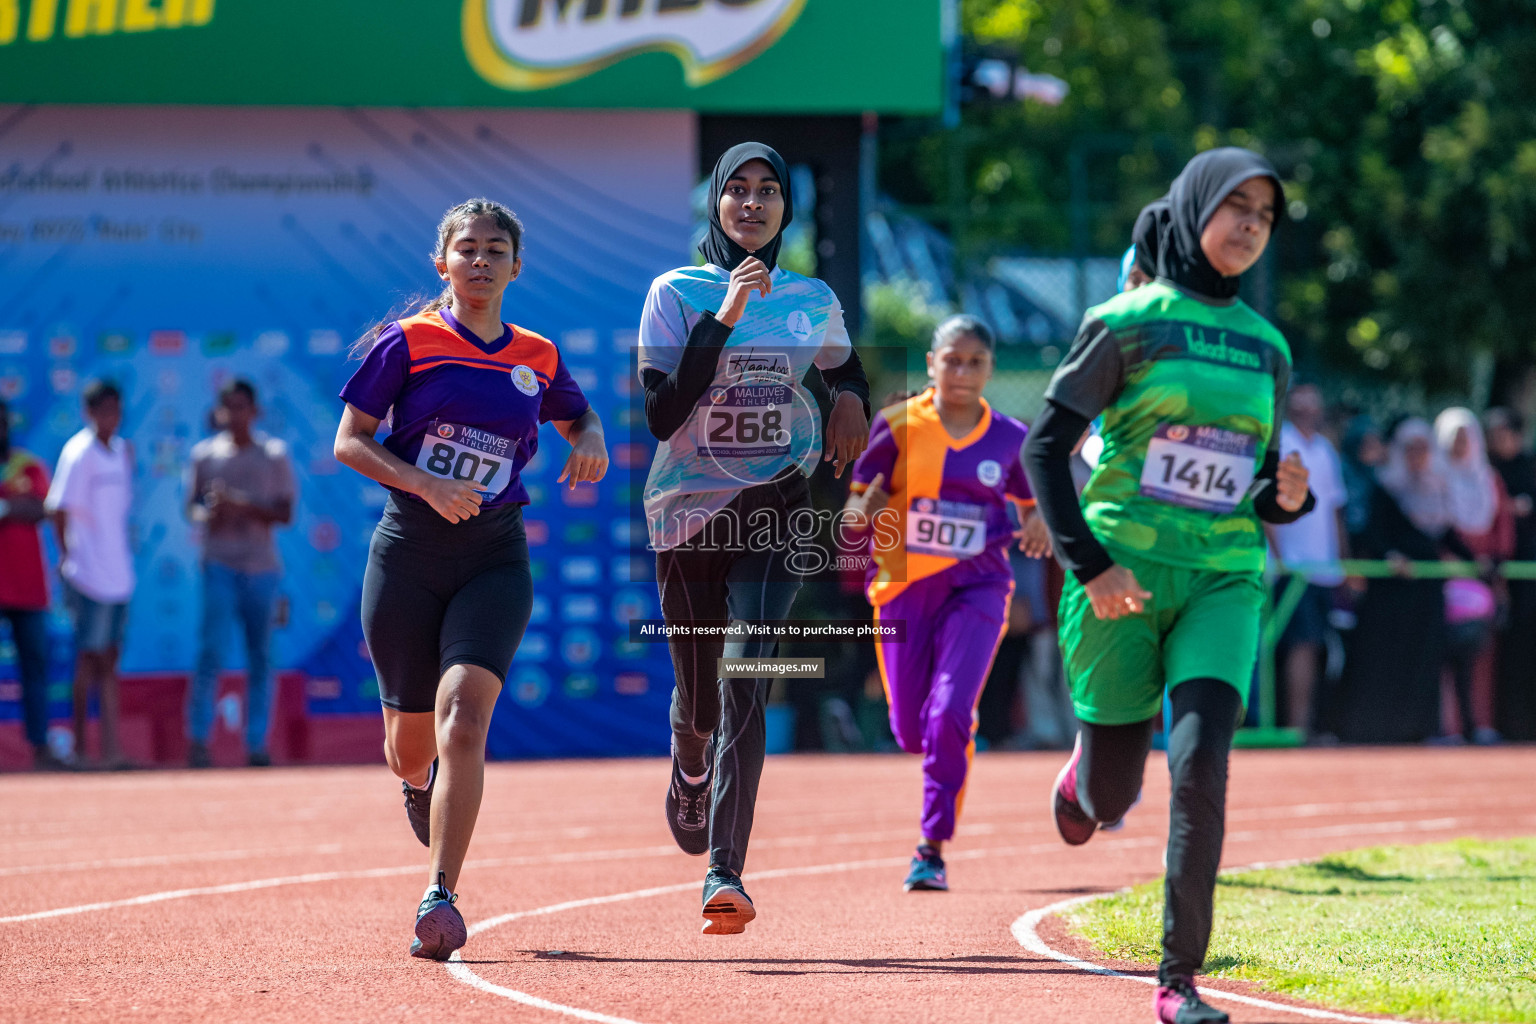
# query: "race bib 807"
478 457
1205 468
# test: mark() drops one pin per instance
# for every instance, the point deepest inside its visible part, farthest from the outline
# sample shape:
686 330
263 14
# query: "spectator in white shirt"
1317 538
89 501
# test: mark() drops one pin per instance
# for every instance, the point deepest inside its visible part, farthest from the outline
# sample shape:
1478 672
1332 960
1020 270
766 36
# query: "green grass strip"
1440 932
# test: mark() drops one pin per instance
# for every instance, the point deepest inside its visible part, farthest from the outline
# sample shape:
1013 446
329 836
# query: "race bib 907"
478 457
1205 468
949 529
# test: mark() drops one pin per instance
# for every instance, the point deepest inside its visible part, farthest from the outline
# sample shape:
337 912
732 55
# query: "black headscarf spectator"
1392 675
1515 696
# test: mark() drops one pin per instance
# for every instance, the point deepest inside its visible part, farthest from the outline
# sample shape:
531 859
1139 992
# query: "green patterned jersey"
1188 389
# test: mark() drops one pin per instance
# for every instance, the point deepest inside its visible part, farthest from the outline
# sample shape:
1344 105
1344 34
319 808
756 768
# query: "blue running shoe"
727 908
439 926
927 871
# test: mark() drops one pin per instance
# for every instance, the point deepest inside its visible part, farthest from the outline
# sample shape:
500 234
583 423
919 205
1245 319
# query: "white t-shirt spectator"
93 484
1314 537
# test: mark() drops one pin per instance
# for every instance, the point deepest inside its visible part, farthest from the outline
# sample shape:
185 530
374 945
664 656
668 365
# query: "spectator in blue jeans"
240 486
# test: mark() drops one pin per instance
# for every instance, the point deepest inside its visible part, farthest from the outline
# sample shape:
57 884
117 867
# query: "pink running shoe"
1072 822
1178 1002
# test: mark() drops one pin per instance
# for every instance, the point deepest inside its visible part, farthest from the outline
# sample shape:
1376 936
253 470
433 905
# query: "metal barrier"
1278 612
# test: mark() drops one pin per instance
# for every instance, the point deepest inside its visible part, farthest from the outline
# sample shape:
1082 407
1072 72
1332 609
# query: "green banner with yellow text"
789 56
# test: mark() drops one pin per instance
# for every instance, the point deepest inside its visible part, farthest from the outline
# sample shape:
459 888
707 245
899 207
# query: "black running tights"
1109 774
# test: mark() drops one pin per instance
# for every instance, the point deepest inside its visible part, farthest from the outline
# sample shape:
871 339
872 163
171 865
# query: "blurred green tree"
1405 130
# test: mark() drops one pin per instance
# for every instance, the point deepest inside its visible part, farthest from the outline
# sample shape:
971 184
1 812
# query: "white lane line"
311 878
1025 930
1371 828
166 859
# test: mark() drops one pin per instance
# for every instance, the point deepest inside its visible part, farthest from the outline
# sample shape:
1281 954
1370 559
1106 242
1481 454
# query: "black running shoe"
439 925
688 811
1178 1002
418 807
727 908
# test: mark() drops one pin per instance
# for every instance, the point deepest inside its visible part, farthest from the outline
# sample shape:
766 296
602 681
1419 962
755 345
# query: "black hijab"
1191 201
718 247
1144 235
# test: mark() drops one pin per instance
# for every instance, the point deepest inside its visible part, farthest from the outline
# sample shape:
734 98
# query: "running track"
288 894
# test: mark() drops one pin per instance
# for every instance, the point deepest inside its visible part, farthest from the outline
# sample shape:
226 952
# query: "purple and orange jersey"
464 408
949 495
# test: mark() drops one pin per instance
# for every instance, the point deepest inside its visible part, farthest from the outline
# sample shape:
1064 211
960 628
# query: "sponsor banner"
798 56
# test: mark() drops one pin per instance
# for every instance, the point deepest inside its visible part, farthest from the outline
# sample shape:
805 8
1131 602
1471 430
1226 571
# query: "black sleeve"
1047 461
1092 375
1266 494
849 377
670 398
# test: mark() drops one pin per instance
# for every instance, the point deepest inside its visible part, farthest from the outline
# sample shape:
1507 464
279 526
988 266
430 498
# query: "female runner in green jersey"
1165 553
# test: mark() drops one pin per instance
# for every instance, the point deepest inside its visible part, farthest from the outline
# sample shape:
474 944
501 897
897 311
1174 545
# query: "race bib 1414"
1205 468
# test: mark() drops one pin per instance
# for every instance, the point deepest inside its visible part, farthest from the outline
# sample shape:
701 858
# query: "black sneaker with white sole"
688 812
439 926
418 807
727 908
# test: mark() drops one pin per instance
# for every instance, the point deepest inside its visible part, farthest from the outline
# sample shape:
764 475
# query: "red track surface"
835 939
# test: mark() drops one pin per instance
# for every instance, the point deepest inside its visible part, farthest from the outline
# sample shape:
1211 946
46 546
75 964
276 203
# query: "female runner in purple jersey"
933 489
448 590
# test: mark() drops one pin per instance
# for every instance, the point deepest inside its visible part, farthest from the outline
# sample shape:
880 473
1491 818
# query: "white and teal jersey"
757 418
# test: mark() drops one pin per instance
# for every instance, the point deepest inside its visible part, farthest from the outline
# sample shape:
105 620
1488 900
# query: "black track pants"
1109 774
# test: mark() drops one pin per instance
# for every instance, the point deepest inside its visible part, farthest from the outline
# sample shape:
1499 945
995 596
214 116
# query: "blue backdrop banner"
171 248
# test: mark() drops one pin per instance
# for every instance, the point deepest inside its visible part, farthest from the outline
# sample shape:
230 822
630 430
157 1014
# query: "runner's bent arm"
1266 492
357 448
1047 457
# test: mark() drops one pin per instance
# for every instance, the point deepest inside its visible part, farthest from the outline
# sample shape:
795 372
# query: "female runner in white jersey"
723 350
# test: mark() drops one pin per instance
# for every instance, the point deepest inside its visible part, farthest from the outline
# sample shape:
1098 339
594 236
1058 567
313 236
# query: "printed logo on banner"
13 384
578 685
13 343
530 687
631 684
324 343
272 343
538 44
114 343
62 346
168 343
580 608
579 647
221 344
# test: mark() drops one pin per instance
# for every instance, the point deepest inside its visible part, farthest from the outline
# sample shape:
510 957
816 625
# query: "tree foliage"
1405 130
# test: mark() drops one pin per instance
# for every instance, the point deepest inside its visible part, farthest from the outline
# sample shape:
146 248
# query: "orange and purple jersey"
949 495
461 407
